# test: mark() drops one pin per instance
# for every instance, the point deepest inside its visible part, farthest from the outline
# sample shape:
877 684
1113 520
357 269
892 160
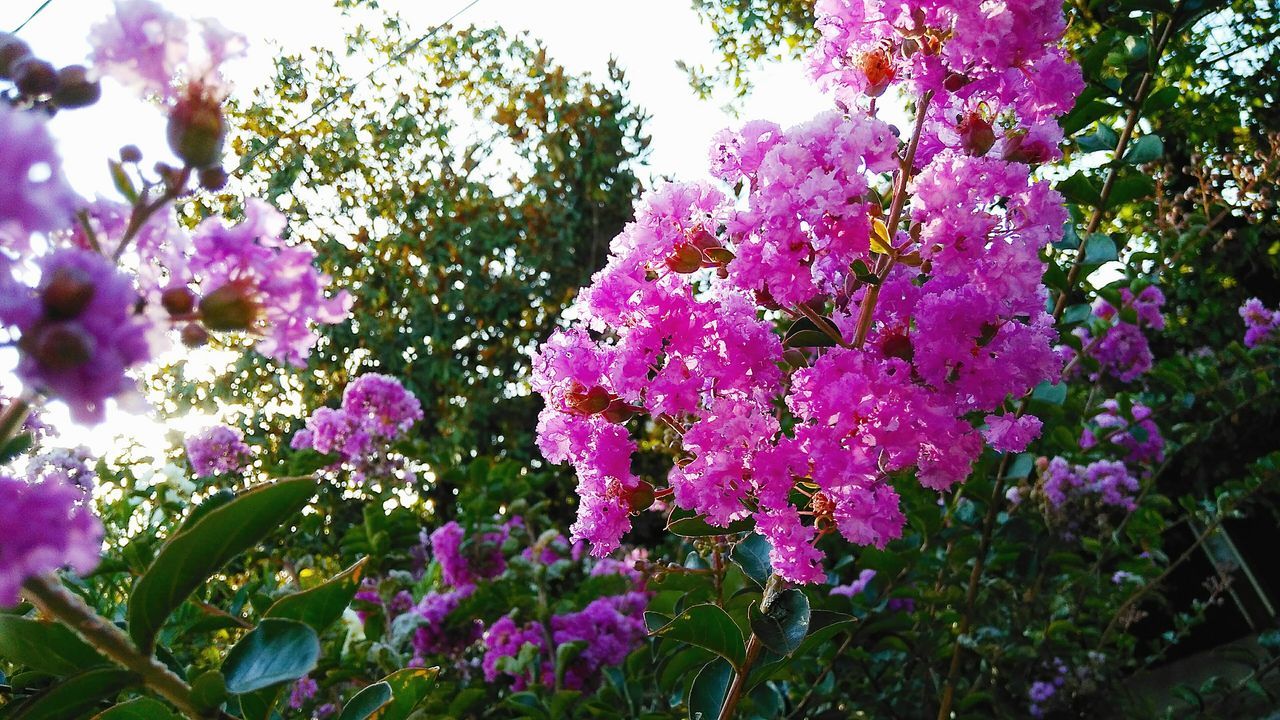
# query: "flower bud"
879 71
197 130
641 498
213 178
12 49
976 135
684 259
66 293
178 301
588 402
194 336
59 346
130 154
230 307
75 88
34 76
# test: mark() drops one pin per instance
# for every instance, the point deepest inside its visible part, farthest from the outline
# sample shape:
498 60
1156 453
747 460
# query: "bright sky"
646 39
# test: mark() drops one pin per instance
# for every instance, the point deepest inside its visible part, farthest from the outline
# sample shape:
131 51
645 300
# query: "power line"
33 15
274 141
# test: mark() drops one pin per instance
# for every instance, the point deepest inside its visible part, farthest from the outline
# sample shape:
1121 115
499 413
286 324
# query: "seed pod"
34 76
12 49
75 88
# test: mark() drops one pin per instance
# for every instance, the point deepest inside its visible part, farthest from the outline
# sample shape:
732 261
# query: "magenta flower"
217 450
80 332
46 527
250 280
34 196
1261 324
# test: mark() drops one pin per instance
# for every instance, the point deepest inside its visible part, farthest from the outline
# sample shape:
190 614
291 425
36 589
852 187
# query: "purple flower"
1007 433
302 691
34 196
141 45
1260 323
463 563
80 332
250 280
857 587
610 627
46 527
505 639
68 465
217 450
435 635
375 410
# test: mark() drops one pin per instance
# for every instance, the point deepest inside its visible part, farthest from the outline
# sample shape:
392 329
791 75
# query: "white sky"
646 39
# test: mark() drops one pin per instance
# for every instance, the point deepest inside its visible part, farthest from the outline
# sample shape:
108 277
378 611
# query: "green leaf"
142 708
1129 188
47 647
785 624
1145 149
1079 189
686 524
1099 248
276 651
197 551
805 333
75 695
1104 138
409 688
710 627
752 555
710 687
323 605
367 702
209 691
566 653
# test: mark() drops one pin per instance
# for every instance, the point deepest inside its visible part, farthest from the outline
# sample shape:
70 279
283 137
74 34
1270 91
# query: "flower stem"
739 684
47 593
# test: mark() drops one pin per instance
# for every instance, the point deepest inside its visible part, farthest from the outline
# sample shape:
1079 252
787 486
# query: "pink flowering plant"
937 404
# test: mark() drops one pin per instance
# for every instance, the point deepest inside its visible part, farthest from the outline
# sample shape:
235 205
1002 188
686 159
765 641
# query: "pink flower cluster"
1137 434
47 526
1261 325
376 410
34 196
464 561
1105 481
807 339
608 628
218 449
250 279
1118 344
996 73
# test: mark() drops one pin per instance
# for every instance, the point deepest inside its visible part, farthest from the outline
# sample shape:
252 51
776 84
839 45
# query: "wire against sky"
274 141
32 16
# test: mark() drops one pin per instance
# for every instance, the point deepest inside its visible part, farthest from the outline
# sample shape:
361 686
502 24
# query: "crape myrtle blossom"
47 527
1116 341
928 308
34 196
79 331
376 410
249 279
218 449
1261 325
1137 435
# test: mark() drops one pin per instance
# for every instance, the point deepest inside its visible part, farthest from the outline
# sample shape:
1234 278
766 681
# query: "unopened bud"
75 88
976 135
684 259
197 130
954 81
130 154
230 307
194 336
60 346
12 49
588 402
34 76
641 498
66 293
878 68
619 411
213 178
178 301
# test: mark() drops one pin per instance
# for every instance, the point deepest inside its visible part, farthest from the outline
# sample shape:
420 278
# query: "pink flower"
1007 433
217 450
34 196
47 527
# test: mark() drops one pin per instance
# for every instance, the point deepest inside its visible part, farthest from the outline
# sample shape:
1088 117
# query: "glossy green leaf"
45 646
196 552
1099 248
785 624
1079 189
366 702
1145 149
710 627
686 524
323 605
752 555
276 651
409 688
710 687
142 708
76 695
